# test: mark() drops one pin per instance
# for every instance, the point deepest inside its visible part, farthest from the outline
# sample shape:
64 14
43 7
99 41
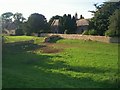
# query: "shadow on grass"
33 70
20 47
81 69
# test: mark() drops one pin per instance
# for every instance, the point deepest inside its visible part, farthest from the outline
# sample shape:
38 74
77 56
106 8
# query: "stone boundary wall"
86 37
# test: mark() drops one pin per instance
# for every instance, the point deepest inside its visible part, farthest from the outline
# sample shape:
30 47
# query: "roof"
11 26
82 22
55 22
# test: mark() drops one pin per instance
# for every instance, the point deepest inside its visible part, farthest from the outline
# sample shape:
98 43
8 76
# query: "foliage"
90 32
36 23
110 33
82 64
100 21
114 27
76 16
81 17
19 32
6 19
68 24
7 15
86 32
18 19
14 21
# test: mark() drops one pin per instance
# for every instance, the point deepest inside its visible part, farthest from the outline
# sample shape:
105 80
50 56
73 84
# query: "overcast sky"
49 8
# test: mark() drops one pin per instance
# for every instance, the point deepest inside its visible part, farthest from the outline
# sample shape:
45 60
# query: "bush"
92 32
110 33
114 27
86 32
19 32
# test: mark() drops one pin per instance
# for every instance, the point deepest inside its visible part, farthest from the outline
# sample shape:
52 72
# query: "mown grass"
81 64
10 39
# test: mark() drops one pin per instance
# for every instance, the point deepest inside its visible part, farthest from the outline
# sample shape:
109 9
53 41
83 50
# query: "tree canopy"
67 24
114 27
36 23
100 21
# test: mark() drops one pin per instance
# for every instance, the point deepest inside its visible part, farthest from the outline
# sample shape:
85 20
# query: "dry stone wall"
87 37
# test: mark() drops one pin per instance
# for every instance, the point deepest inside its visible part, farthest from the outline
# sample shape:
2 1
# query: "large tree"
36 23
18 18
114 27
100 21
69 24
7 16
19 21
14 20
6 19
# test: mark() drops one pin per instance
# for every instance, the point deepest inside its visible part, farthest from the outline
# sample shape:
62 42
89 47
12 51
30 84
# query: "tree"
61 28
68 24
7 16
81 17
76 16
114 27
73 25
100 21
19 20
6 19
36 23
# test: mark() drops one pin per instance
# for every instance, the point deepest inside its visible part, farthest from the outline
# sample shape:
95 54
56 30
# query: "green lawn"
76 64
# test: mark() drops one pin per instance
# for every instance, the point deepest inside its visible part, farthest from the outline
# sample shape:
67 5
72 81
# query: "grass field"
64 64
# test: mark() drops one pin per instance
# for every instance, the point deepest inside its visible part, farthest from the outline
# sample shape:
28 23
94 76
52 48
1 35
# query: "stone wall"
87 37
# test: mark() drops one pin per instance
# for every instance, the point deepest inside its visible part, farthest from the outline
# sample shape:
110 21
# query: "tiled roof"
82 22
55 22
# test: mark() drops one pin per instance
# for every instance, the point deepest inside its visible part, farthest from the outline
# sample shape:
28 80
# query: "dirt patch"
59 45
53 47
49 49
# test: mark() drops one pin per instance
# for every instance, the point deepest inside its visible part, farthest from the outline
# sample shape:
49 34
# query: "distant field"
64 64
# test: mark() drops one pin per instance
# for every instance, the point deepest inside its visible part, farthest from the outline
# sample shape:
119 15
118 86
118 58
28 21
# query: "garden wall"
86 37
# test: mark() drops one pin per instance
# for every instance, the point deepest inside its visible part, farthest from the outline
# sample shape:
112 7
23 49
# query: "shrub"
92 32
86 32
114 27
110 33
19 32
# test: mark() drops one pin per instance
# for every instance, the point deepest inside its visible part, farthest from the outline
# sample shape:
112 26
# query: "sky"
49 8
